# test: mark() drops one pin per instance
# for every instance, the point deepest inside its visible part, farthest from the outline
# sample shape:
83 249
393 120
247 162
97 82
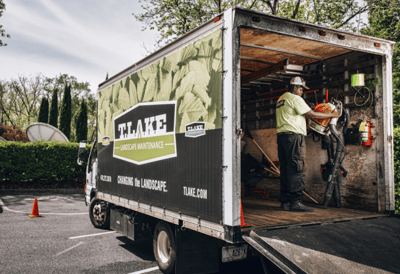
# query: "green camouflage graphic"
192 76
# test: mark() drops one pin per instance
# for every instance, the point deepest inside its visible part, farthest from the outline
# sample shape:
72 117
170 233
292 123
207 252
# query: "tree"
79 90
44 111
384 22
53 119
65 117
2 31
172 18
81 125
19 99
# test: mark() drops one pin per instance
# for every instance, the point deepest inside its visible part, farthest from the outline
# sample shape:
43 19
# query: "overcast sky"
85 39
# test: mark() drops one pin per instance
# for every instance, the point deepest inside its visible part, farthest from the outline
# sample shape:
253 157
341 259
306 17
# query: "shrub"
45 161
13 133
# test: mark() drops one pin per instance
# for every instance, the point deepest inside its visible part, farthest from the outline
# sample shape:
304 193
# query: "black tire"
164 246
98 219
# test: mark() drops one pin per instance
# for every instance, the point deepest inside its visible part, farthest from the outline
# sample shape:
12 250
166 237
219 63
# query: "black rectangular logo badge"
195 130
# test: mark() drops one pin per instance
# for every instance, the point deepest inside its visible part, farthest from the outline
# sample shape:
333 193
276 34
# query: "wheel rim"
163 246
98 216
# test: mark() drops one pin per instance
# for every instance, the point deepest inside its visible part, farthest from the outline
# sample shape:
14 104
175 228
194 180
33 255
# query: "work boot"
285 205
299 207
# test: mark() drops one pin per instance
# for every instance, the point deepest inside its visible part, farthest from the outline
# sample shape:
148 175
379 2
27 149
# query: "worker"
291 113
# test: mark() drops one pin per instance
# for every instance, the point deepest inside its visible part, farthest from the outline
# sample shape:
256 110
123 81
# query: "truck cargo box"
182 134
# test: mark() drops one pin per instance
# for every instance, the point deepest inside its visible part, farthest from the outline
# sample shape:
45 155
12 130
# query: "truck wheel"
99 219
164 247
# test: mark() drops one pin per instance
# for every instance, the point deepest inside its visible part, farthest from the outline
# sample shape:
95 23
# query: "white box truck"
168 160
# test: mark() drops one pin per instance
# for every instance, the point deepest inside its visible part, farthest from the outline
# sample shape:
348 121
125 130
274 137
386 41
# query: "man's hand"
319 115
335 114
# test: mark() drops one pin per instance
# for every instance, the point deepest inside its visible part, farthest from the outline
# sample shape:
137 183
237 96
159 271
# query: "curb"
43 191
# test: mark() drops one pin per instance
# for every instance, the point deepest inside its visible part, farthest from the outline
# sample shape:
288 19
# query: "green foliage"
20 99
384 22
79 90
396 142
53 119
44 111
2 31
44 161
66 112
172 18
81 125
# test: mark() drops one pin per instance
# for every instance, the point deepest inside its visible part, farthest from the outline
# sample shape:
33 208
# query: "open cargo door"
358 246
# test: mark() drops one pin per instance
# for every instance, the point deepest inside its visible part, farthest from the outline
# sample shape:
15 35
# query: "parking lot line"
69 249
90 235
145 270
16 211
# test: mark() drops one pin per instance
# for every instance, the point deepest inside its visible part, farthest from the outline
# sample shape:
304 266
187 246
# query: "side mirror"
81 153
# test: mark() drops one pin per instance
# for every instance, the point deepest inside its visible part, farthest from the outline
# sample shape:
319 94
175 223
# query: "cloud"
83 37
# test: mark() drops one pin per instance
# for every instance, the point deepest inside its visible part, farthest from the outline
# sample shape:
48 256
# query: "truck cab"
91 169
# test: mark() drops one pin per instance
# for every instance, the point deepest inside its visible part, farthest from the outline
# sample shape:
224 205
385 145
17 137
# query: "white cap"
298 81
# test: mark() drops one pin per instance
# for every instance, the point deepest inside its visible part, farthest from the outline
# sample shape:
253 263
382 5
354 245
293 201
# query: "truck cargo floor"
267 213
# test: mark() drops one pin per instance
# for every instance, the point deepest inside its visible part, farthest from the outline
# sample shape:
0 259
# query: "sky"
84 39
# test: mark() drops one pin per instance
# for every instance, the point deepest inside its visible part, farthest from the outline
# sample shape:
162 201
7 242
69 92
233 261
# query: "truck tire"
164 247
99 219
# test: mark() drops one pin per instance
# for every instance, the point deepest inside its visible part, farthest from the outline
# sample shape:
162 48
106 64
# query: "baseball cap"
298 81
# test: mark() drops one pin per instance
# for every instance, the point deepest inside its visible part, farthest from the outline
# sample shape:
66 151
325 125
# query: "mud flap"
196 252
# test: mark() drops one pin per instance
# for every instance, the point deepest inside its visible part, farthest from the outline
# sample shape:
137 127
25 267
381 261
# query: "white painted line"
81 213
16 211
145 270
90 235
69 249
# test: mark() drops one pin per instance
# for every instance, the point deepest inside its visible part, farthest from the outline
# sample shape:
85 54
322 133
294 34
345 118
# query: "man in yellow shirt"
291 113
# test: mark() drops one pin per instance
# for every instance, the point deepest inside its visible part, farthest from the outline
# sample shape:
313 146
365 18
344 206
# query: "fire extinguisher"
365 131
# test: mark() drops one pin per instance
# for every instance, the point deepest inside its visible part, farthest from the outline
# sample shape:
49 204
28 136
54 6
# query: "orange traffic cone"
242 223
35 210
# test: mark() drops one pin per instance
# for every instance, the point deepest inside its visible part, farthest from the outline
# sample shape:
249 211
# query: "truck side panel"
159 132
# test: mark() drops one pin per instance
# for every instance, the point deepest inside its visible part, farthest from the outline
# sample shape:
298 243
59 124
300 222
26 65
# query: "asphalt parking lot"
64 240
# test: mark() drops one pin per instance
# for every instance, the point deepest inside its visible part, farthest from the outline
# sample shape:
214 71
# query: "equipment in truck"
320 125
169 165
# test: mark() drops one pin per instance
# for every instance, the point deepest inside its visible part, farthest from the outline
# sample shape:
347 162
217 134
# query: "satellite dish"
2 139
44 132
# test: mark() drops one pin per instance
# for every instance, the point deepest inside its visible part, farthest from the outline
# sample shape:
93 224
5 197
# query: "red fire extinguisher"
366 136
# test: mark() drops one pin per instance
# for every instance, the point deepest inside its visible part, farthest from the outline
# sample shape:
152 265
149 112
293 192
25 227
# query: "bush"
47 162
396 134
13 133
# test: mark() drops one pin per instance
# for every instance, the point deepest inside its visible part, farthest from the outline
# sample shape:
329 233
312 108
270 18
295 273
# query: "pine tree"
44 111
53 120
66 112
81 125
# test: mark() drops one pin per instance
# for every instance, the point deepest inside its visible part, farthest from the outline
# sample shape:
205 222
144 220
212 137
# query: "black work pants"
292 154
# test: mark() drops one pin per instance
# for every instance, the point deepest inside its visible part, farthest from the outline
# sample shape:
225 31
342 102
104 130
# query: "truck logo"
145 133
196 129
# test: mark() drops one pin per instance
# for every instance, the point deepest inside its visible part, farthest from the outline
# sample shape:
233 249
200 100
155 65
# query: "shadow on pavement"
141 248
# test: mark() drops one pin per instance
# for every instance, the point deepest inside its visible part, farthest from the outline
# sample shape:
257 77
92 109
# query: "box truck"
170 160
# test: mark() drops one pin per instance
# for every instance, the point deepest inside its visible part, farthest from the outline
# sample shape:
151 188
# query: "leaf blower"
336 131
331 133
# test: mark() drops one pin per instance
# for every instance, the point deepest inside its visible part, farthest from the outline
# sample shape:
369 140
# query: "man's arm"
319 115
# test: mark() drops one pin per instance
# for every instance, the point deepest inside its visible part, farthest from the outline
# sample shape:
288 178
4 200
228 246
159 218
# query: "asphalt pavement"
64 240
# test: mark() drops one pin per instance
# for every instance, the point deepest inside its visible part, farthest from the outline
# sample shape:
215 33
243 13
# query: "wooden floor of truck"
267 214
